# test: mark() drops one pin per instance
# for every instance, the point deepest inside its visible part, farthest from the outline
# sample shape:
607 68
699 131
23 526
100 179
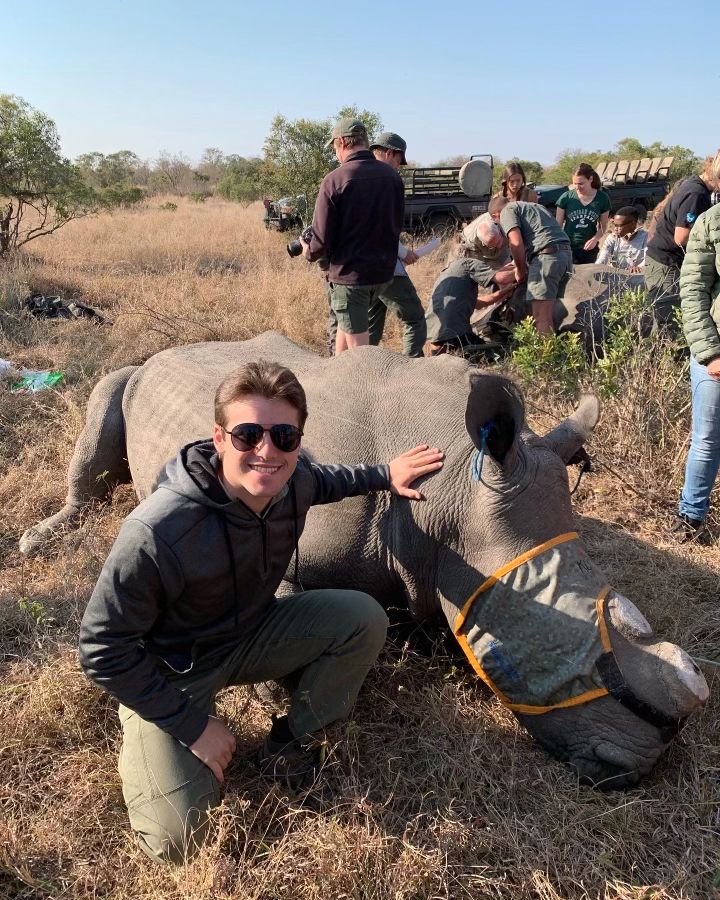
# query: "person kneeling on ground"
455 298
541 254
185 606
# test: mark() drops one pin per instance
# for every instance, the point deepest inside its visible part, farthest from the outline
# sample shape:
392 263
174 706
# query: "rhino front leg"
98 463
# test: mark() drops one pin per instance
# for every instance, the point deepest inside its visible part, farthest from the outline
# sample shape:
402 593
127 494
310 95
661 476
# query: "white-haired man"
484 262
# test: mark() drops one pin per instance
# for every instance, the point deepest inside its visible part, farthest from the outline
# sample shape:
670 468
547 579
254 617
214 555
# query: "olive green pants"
401 298
663 287
327 639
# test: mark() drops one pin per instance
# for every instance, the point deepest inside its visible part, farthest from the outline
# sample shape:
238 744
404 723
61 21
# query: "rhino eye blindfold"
249 434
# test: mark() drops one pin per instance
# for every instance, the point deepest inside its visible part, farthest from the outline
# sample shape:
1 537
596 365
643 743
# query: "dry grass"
438 793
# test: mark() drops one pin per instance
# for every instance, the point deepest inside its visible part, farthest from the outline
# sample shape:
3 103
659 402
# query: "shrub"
169 206
199 196
557 359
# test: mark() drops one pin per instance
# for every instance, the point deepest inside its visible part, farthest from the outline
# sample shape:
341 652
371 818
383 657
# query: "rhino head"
576 662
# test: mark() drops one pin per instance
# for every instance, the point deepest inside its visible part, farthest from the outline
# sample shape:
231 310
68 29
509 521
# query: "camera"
295 248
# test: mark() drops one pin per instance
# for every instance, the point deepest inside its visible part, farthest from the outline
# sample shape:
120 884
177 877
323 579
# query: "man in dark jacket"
185 606
356 227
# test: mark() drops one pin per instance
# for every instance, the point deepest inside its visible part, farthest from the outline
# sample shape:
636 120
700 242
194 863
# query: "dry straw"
437 792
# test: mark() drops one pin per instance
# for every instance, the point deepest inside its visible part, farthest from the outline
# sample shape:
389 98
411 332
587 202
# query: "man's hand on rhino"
411 465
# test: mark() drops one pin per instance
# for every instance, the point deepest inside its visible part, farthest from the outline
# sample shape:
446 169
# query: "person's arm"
517 251
607 251
680 236
560 216
688 211
698 277
336 482
505 276
495 297
139 575
324 226
532 196
406 256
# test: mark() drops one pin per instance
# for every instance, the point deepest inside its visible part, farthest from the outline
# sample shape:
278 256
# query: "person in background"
400 295
514 184
356 227
540 252
700 302
672 223
455 295
583 212
626 245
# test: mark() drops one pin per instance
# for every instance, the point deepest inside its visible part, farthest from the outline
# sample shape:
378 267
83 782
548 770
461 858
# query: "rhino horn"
494 417
570 435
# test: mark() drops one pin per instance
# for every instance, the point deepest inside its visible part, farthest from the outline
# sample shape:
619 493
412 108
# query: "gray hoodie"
193 569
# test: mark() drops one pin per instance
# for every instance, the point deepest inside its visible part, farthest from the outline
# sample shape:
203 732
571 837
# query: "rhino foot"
34 539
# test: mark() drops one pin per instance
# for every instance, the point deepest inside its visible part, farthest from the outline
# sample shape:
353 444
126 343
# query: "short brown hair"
497 204
357 140
260 379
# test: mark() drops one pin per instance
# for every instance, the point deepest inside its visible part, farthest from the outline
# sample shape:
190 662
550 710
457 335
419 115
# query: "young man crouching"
185 606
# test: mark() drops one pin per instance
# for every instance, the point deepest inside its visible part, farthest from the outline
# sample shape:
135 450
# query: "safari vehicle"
286 213
641 183
441 198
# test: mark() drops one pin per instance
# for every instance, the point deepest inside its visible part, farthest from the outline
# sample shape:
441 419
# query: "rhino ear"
496 410
570 435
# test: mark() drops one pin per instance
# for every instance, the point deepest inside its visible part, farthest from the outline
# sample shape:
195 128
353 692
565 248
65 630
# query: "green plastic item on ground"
34 381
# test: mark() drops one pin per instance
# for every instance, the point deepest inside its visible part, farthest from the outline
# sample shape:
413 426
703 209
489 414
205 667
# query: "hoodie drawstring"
295 533
231 556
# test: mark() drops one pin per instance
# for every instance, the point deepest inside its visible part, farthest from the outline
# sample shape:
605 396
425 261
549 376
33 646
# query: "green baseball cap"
347 128
388 140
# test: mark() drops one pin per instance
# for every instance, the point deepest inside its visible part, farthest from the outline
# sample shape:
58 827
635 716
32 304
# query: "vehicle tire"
442 225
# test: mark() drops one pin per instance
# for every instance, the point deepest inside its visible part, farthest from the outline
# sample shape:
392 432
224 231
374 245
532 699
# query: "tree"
112 177
40 190
173 172
685 162
296 157
243 179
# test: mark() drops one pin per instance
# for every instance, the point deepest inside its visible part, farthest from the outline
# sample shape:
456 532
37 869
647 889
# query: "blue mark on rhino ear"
479 455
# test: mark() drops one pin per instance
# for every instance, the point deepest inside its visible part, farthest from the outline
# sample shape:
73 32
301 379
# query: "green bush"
199 196
120 195
555 359
169 206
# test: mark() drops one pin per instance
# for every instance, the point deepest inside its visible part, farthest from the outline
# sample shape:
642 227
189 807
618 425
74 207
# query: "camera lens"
294 248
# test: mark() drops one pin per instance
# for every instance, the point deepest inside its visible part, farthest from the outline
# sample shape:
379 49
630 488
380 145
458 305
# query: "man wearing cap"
400 295
356 227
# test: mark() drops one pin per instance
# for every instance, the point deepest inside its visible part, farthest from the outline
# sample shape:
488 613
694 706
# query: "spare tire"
476 178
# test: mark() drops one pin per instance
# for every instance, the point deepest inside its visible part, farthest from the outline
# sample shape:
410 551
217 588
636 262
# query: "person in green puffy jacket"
700 302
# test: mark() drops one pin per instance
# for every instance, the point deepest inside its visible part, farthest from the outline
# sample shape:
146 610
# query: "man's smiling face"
257 474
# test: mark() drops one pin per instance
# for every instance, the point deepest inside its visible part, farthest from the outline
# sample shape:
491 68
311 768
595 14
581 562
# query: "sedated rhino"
493 548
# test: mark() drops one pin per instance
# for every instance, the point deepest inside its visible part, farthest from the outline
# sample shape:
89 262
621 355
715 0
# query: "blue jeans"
704 456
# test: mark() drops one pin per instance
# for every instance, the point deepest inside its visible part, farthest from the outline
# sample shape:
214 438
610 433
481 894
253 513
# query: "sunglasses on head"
249 434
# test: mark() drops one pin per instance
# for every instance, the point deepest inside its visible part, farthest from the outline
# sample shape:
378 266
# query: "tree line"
41 190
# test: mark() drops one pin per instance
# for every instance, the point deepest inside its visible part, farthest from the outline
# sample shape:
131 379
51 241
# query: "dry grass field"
439 793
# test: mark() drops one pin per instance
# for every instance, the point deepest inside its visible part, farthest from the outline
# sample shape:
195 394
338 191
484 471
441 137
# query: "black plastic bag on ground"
56 308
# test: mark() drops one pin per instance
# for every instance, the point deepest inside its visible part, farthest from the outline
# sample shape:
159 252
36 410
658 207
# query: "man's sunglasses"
249 434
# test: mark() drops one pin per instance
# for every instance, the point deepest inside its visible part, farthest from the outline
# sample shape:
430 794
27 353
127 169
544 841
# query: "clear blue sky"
523 79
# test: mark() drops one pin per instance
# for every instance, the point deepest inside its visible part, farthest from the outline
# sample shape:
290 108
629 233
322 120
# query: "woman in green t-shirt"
583 213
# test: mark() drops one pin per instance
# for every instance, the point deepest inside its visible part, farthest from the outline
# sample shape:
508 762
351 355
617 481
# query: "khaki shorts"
350 303
547 275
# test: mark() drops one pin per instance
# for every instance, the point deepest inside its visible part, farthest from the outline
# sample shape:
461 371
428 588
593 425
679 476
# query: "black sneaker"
690 531
296 763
